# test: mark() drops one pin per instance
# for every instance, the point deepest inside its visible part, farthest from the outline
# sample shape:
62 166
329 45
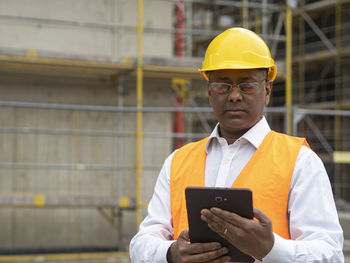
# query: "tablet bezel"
237 200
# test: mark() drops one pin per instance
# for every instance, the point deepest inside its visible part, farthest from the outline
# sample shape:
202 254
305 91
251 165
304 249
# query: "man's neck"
232 136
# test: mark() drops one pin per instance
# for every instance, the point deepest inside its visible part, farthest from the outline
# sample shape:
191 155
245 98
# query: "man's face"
237 110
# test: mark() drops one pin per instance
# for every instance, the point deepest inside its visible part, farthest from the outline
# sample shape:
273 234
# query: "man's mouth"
235 109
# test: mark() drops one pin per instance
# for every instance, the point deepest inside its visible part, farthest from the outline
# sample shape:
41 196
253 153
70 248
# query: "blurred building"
92 102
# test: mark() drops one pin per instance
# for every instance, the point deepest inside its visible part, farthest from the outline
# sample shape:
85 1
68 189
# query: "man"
295 215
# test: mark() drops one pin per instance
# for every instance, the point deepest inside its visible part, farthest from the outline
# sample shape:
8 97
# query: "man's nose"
235 94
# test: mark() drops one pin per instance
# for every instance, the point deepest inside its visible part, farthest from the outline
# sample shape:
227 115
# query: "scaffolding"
302 39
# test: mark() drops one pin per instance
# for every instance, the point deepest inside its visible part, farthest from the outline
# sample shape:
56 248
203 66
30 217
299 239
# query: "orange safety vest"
268 174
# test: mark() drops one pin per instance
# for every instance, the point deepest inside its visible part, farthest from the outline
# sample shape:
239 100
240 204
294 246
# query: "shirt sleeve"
316 235
155 235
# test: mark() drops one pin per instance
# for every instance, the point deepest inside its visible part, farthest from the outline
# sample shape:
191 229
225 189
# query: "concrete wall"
53 30
74 227
54 34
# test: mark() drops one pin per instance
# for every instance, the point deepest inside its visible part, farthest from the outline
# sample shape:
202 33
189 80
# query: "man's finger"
229 217
198 248
258 214
214 221
185 235
220 255
223 228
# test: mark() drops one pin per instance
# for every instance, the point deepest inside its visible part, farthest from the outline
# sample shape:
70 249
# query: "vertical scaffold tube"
245 14
288 24
338 87
139 133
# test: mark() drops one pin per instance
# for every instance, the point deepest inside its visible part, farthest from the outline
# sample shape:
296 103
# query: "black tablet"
237 200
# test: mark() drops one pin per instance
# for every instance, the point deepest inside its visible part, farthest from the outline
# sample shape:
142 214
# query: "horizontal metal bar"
101 108
341 157
52 166
19 199
175 135
65 257
275 109
66 22
26 130
254 5
160 135
20 104
323 112
80 167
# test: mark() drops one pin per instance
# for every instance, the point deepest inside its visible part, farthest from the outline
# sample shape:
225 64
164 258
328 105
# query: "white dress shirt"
316 235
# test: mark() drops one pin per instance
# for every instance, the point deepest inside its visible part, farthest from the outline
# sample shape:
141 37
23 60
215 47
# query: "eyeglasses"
223 88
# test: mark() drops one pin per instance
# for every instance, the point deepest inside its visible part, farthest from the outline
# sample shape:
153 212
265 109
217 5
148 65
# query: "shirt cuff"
282 251
162 251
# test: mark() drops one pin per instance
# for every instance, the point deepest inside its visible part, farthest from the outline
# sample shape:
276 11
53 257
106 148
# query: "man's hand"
254 238
183 251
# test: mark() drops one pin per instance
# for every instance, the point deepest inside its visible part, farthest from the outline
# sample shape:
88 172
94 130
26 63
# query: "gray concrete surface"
22 228
86 40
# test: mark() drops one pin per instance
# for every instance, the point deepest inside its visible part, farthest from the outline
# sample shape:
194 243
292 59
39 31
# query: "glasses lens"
220 87
248 87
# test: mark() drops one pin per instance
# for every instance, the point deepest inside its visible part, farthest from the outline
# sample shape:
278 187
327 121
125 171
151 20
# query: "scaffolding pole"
301 68
337 89
245 14
139 113
289 69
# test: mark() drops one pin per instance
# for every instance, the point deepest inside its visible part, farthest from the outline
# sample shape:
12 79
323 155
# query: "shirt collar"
255 135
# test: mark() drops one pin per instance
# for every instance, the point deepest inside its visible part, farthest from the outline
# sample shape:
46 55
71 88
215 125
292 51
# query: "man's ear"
268 89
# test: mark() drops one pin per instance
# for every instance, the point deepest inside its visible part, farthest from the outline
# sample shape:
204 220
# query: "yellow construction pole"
288 25
301 68
245 14
257 23
139 133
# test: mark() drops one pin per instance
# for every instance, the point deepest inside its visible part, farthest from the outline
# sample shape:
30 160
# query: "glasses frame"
237 85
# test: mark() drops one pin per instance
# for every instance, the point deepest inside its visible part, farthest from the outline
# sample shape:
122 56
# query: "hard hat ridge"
238 48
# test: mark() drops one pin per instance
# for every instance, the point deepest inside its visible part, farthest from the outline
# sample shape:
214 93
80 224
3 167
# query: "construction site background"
94 95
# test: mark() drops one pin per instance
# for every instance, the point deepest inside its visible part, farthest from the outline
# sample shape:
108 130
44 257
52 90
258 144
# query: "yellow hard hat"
238 48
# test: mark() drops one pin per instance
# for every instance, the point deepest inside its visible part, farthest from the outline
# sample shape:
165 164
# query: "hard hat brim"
271 75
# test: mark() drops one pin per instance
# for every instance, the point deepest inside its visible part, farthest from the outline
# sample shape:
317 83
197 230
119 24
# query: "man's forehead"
238 73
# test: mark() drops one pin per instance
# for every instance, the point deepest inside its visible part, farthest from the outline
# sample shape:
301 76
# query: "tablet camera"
218 199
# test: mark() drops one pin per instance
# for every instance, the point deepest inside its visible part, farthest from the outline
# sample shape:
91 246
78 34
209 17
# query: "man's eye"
248 87
222 88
